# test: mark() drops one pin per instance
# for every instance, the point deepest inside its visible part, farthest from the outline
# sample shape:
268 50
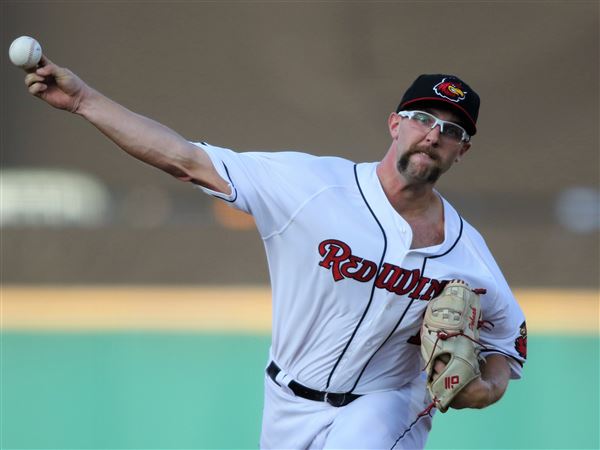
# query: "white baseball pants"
382 420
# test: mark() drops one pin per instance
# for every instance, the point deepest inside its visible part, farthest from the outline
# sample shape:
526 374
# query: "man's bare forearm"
148 140
139 136
488 388
496 372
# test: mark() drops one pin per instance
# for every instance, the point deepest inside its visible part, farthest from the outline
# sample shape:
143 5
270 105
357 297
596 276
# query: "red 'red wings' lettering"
388 276
334 252
338 257
417 291
407 281
366 271
435 288
352 263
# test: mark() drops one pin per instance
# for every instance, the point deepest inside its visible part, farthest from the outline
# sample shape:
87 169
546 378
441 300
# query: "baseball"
25 52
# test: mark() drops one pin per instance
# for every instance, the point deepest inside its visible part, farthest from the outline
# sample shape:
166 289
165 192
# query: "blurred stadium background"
135 310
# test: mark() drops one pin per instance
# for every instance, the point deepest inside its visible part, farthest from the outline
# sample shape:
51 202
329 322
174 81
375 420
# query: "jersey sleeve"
270 186
504 330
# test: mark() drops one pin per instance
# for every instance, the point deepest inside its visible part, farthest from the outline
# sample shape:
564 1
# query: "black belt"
334 399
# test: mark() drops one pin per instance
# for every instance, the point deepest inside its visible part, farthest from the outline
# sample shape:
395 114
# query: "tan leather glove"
449 332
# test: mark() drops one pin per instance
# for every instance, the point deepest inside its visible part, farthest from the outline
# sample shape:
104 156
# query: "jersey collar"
394 223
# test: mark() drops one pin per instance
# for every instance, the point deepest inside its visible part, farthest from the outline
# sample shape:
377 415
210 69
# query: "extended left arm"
488 388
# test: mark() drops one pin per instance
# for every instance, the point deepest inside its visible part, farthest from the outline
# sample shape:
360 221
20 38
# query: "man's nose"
433 135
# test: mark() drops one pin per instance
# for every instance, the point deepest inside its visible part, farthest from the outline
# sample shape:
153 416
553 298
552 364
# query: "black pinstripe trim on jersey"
409 304
460 232
389 335
232 186
233 189
419 416
485 349
372 288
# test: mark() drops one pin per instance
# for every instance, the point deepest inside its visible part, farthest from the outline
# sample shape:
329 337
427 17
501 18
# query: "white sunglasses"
429 121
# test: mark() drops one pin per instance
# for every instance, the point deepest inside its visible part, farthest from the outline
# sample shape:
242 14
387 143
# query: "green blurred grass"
153 390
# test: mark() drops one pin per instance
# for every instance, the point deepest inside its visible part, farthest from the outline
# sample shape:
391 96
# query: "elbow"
177 172
195 171
498 391
180 167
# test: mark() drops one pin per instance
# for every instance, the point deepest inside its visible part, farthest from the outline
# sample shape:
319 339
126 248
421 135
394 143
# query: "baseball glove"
450 332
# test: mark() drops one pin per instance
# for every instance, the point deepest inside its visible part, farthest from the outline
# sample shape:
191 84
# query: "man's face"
424 154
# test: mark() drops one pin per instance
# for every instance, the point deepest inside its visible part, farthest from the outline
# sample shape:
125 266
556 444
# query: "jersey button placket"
404 230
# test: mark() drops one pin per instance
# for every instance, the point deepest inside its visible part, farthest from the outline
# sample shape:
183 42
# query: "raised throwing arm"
139 136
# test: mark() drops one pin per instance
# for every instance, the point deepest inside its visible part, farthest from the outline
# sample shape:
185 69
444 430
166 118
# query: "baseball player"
356 252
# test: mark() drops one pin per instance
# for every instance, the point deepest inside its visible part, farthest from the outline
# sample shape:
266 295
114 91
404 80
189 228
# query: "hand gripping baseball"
450 333
57 86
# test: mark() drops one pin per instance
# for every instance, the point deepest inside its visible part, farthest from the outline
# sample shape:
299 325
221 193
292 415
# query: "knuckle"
36 88
32 78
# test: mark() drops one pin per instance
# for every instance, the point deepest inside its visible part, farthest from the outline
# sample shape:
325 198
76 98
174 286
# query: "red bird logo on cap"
452 90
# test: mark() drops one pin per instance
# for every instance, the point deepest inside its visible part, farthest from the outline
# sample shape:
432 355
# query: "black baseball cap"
449 90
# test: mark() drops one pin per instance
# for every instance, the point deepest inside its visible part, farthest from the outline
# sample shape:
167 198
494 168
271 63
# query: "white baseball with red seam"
25 52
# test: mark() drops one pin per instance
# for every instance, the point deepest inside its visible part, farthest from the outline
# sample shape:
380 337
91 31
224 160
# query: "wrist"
84 105
477 394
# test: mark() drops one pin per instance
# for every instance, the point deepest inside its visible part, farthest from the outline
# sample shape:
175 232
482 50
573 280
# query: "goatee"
433 174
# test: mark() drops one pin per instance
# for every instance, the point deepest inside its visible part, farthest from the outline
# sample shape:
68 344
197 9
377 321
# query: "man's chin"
413 174
429 178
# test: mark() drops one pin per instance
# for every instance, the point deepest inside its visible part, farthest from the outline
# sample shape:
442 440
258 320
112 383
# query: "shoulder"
472 234
286 165
300 159
306 169
472 252
278 156
468 235
476 246
476 242
479 251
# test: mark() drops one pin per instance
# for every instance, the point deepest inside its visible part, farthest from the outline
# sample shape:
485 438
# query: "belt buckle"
338 403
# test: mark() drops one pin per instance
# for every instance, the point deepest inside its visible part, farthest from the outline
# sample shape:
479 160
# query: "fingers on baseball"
46 67
37 88
32 78
35 83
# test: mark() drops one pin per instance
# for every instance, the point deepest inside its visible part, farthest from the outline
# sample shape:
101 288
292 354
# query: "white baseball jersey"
348 291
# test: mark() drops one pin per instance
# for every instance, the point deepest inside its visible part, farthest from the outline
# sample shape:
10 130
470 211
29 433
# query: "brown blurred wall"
319 77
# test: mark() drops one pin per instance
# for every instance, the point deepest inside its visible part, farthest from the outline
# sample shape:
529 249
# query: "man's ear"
393 123
464 148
